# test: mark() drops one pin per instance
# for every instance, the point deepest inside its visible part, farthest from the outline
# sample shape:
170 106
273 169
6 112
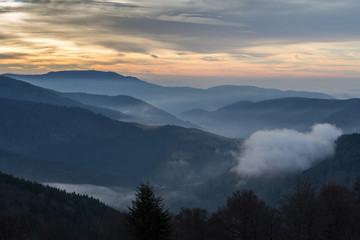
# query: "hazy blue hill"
243 118
172 99
263 105
19 90
91 74
141 111
252 93
97 82
77 75
81 138
124 108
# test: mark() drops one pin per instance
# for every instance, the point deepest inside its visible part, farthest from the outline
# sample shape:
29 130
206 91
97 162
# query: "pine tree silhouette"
147 219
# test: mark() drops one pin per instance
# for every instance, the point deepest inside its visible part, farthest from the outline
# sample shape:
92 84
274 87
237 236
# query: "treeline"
29 210
33 211
331 212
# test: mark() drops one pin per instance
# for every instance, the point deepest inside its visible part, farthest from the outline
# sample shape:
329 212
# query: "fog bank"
283 151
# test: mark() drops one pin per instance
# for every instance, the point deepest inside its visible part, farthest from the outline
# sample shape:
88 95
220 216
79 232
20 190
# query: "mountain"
29 210
78 137
19 90
18 195
172 99
141 111
34 169
96 82
113 107
343 169
243 118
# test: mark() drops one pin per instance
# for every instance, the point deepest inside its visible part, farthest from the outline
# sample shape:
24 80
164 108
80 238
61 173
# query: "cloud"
211 59
60 32
118 198
283 151
223 27
12 55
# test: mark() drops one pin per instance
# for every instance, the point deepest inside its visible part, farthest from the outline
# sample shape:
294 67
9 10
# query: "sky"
290 44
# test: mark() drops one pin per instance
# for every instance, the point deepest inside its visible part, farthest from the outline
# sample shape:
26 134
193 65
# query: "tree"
16 226
357 190
339 213
191 224
147 219
245 217
301 213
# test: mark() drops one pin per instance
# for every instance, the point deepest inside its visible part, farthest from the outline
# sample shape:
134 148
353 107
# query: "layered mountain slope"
243 118
171 99
19 90
141 111
48 171
113 107
81 138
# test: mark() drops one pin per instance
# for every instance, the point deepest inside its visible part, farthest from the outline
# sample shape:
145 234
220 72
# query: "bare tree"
191 224
300 211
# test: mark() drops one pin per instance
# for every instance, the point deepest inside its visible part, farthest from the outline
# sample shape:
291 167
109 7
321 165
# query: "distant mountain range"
243 118
171 99
138 110
19 90
123 108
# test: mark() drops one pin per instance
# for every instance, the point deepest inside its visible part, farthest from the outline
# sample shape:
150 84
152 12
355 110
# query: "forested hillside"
29 210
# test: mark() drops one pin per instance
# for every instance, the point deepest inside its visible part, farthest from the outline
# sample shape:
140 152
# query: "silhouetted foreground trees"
331 212
32 211
147 219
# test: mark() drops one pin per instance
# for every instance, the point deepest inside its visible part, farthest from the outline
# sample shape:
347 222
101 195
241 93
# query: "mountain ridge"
148 114
141 111
243 118
78 74
172 99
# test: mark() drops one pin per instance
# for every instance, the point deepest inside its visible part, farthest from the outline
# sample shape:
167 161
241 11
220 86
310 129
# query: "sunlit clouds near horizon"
219 39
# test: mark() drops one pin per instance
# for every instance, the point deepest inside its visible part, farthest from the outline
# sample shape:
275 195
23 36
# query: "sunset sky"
294 44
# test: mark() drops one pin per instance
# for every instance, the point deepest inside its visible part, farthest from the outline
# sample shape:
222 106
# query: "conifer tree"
147 219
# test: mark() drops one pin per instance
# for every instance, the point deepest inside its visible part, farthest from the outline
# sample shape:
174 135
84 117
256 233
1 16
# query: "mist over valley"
105 145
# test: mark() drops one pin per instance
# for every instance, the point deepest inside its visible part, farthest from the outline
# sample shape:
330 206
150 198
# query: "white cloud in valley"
283 151
116 197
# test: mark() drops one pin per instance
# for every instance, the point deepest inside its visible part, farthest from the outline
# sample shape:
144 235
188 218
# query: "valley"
105 145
